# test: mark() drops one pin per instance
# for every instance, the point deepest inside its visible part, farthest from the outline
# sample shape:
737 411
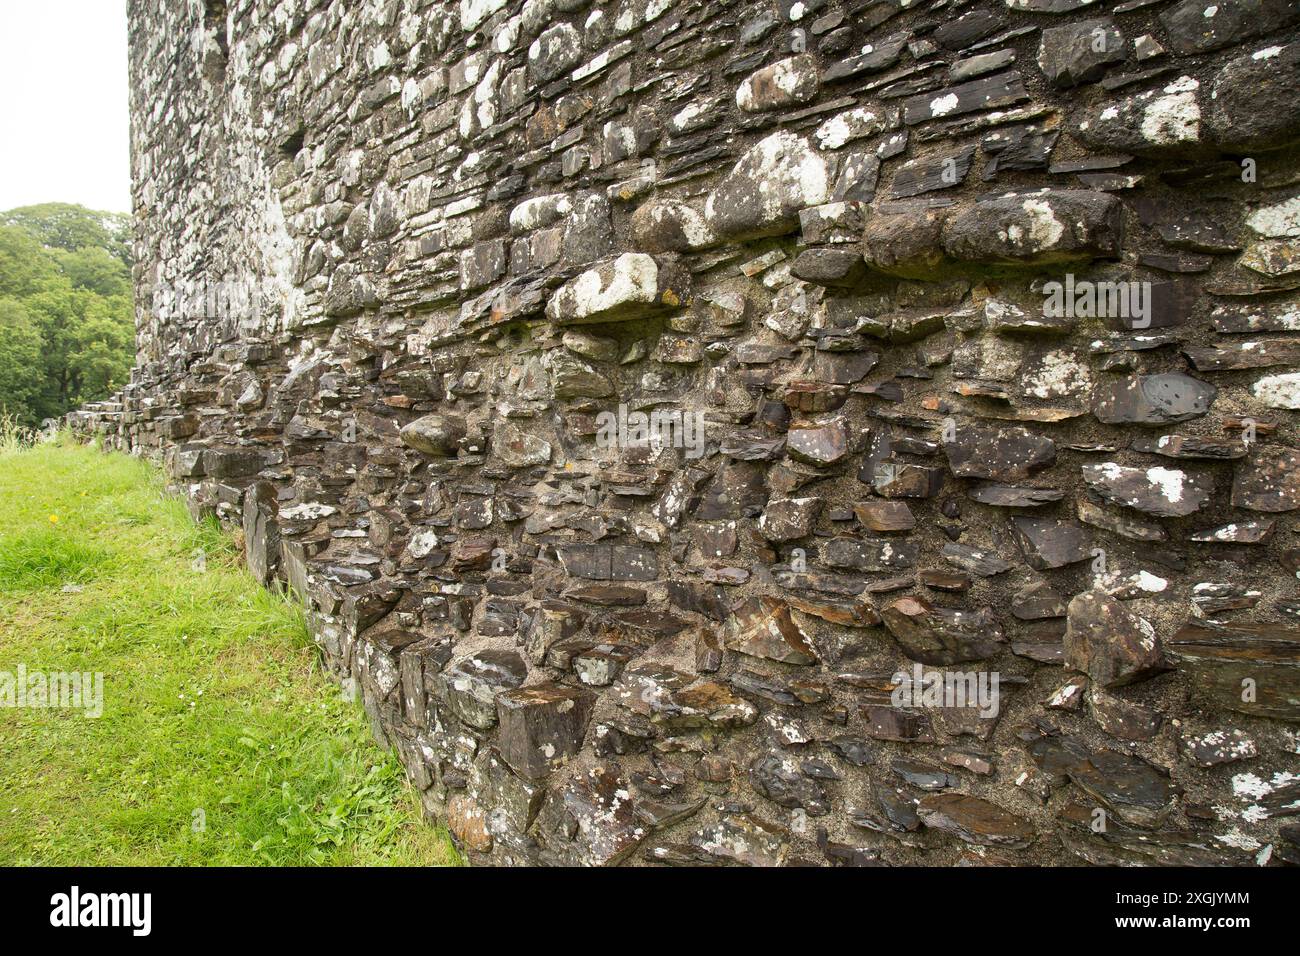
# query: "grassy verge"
221 742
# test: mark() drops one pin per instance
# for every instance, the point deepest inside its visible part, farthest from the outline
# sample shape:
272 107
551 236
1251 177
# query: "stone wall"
970 330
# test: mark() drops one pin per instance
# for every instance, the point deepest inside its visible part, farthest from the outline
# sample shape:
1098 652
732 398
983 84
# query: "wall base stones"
753 433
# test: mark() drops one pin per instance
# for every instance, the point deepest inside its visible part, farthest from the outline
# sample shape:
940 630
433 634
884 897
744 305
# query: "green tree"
96 269
26 266
21 372
61 225
67 329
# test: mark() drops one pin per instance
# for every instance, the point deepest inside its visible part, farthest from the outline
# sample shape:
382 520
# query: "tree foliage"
67 331
61 225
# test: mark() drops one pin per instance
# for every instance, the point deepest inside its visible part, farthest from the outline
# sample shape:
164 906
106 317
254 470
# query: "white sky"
64 134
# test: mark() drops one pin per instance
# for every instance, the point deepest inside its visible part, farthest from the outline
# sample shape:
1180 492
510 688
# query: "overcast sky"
63 111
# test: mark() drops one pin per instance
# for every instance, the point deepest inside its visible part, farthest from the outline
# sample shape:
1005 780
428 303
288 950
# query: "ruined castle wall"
971 330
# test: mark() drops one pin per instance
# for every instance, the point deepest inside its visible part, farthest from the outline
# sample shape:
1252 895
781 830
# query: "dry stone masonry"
765 432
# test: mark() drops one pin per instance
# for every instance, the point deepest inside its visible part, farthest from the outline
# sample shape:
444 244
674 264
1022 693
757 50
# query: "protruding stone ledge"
631 286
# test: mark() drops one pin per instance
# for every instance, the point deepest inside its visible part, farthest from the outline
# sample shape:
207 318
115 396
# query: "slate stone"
471 685
1037 601
609 562
922 775
1192 28
1123 719
790 518
467 822
818 441
1110 644
1121 845
1152 399
833 267
938 172
232 462
1259 317
833 222
974 820
517 448
1014 496
1164 492
846 127
1000 454
939 636
608 829
1018 148
541 725
555 50
1225 661
884 516
708 704
897 724
261 531
1192 447
1079 52
874 556
846 613
708 651
1215 748
1135 791
1124 525
853 750
743 839
904 480
1165 121
906 242
879 57
966 29
600 666
762 627
1048 544
668 225
989 92
1049 6
1268 480
978 561
1237 532
779 780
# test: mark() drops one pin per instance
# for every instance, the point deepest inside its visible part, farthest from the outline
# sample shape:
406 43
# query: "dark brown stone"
1113 646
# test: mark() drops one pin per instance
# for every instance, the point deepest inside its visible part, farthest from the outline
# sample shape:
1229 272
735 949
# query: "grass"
221 741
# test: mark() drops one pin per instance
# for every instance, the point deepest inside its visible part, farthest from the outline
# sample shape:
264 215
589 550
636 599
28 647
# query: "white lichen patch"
1277 222
1045 230
1279 391
1169 481
846 127
1174 117
1058 375
943 105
